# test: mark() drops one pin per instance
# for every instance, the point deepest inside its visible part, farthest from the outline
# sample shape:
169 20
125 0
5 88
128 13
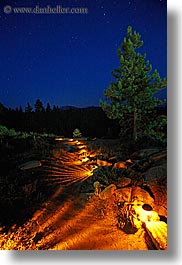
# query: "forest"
61 121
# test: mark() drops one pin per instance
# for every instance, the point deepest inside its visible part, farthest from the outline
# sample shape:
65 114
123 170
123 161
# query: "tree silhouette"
48 108
39 106
28 108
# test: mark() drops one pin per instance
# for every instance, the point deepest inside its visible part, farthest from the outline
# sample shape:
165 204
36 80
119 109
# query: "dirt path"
71 220
73 224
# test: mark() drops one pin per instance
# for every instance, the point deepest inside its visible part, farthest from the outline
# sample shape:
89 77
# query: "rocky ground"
89 194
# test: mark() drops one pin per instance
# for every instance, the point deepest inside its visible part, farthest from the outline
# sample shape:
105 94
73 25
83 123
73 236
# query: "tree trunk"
135 125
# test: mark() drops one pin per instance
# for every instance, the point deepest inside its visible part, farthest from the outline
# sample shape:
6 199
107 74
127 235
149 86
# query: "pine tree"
28 118
20 109
131 98
39 106
48 108
28 108
55 108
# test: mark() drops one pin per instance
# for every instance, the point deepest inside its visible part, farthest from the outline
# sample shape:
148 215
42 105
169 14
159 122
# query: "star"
9 78
74 37
104 14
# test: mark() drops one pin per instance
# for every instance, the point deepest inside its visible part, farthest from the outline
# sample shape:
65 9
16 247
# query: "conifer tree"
39 106
28 108
48 107
132 96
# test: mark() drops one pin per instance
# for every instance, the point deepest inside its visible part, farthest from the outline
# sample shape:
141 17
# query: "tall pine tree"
39 106
131 98
28 108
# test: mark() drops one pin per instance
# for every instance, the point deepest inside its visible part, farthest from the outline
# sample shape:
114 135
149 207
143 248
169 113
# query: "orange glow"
129 161
68 174
158 233
120 165
86 159
78 221
82 151
66 226
92 155
81 146
143 215
102 163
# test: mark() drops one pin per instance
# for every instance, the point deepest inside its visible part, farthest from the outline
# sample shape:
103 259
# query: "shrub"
12 133
3 131
77 133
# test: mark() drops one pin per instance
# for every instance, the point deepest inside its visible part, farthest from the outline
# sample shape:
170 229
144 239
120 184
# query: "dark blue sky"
67 59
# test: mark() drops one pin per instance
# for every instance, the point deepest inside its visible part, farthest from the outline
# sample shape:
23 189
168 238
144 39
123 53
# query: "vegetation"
108 175
4 131
132 97
77 133
92 121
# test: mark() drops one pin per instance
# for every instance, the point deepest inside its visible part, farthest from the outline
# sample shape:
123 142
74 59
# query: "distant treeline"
91 121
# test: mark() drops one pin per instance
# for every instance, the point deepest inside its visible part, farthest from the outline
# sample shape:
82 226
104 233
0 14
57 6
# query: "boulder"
157 231
123 182
159 194
120 165
123 194
160 156
102 163
162 211
156 173
107 192
92 155
141 195
144 153
30 165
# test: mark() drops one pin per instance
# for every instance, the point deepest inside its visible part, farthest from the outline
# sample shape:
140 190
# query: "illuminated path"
72 226
71 222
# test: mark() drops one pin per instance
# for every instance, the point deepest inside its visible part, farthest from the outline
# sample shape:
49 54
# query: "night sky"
67 59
